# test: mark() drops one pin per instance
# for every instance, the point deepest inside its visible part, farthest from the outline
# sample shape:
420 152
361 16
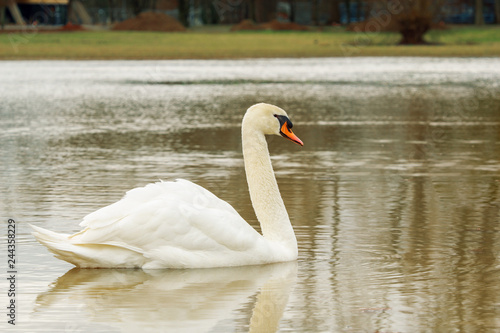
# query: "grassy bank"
454 42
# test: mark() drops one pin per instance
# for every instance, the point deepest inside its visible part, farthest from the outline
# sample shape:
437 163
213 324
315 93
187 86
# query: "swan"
178 224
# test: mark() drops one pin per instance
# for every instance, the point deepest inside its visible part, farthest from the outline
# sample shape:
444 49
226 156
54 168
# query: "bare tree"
348 10
251 10
414 18
139 6
265 10
184 12
497 11
111 5
478 12
335 11
315 12
2 14
359 13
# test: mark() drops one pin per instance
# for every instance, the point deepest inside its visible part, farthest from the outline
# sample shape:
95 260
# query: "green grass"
454 42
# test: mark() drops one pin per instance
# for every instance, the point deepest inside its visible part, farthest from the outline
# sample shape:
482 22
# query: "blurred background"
394 197
194 13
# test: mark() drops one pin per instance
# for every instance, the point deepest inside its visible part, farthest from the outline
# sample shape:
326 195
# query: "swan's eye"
284 121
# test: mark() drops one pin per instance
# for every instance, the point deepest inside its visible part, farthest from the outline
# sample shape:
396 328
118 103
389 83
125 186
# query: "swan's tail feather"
87 255
56 243
48 237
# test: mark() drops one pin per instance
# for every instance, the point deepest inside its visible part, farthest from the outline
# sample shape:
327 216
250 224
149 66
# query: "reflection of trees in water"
421 234
394 197
400 244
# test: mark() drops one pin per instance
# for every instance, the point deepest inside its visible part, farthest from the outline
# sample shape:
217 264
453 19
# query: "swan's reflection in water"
250 298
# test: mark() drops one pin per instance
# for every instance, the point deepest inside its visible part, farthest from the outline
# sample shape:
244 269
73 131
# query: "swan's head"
271 120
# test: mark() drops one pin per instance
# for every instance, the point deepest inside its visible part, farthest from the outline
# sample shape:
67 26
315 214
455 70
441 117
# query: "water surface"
394 197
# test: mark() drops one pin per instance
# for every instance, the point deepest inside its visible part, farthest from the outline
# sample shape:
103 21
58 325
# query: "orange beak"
287 133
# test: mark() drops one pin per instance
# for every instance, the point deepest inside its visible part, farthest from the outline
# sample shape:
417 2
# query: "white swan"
182 225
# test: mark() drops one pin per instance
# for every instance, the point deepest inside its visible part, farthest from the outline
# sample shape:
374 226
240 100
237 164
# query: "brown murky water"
395 197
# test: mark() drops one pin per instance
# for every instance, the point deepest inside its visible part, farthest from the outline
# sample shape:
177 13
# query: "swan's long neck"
264 192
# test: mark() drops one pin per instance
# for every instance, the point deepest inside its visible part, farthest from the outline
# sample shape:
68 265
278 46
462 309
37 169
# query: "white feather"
182 225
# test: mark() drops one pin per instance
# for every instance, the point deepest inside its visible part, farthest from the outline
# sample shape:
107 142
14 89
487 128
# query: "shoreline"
217 43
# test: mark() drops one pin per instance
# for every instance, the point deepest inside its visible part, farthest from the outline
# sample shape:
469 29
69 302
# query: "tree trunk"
259 11
359 12
265 10
207 12
368 9
423 6
348 10
413 26
136 7
335 12
479 16
250 13
315 12
111 12
69 11
2 14
413 17
497 11
184 12
153 5
291 17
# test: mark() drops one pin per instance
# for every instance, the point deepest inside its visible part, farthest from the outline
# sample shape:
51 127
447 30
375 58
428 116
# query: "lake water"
394 198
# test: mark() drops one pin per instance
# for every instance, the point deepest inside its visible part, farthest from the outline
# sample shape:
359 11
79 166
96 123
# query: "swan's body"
181 225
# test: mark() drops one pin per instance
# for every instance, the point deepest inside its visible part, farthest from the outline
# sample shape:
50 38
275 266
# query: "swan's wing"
166 216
